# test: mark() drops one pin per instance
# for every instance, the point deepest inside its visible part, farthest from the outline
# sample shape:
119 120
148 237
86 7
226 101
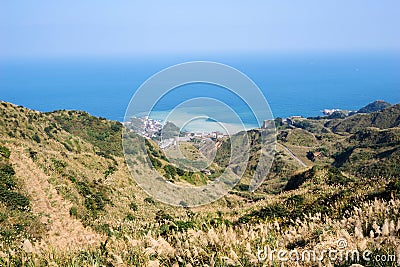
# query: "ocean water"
292 84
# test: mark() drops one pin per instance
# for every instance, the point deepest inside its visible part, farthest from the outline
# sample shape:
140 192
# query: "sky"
41 28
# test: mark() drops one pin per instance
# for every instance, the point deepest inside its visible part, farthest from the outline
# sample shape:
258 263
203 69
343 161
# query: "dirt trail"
294 156
64 232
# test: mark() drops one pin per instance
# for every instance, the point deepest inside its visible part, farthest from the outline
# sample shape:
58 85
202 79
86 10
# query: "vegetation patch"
5 152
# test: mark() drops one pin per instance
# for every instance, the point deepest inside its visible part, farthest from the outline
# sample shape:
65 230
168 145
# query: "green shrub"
180 172
109 171
106 229
3 217
72 178
48 131
269 212
149 200
336 177
162 217
184 225
5 152
295 200
133 206
6 176
94 202
59 165
130 217
94 195
394 188
67 146
242 187
36 138
116 127
155 162
170 170
73 211
32 154
14 200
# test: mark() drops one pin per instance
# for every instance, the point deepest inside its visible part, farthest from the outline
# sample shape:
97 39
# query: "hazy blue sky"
118 28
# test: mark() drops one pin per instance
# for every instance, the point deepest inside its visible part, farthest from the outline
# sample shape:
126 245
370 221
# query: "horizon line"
192 55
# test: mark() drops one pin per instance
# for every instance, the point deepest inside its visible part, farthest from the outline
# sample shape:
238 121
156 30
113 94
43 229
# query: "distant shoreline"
291 84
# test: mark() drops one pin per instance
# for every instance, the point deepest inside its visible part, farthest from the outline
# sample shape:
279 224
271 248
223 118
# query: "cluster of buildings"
330 111
200 135
151 128
144 126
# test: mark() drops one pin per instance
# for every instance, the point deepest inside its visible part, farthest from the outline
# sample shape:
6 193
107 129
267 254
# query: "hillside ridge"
69 199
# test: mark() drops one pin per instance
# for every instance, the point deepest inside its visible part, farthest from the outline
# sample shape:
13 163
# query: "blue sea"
301 84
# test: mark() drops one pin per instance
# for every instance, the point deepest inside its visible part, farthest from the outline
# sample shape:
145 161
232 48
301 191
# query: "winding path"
64 231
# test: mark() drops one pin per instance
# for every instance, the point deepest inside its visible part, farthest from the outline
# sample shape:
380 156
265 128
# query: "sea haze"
292 84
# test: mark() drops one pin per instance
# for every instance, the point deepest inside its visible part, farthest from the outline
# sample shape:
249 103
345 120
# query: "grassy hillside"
103 134
67 197
377 105
387 118
16 217
372 153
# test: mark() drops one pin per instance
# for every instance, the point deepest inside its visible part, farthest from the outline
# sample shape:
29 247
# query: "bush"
36 138
162 217
336 177
94 202
170 170
48 131
67 147
269 212
8 196
242 187
6 170
73 211
155 162
394 187
6 176
14 200
116 127
32 154
133 206
109 171
130 217
149 200
180 172
95 197
5 152
295 200
59 165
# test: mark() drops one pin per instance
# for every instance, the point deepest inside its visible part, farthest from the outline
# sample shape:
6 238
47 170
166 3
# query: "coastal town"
168 134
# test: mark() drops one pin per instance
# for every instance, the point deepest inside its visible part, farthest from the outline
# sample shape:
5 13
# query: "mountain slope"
71 201
377 105
63 230
387 118
76 180
371 153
